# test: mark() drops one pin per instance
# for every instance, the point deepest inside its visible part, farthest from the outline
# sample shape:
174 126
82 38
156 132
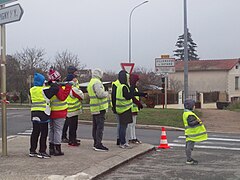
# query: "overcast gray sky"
97 30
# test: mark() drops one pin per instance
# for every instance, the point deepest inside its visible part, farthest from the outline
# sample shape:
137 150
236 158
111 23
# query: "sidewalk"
78 163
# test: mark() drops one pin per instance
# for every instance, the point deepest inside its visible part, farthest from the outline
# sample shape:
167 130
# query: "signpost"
164 66
11 14
7 15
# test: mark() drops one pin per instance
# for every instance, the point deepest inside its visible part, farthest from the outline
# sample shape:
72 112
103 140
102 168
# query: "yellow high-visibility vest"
38 101
134 106
73 104
58 105
197 133
122 104
96 104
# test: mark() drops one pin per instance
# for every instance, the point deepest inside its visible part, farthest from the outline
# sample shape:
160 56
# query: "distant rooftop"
207 65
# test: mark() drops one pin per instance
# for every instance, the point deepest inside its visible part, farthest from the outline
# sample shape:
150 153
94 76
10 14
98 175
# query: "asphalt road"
17 121
218 157
218 160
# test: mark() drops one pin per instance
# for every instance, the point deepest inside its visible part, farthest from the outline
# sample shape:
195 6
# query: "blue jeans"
122 133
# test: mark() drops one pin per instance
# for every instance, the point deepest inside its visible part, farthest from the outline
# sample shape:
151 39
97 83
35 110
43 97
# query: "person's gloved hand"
140 106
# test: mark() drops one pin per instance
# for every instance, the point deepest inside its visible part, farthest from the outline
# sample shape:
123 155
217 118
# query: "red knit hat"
133 79
53 75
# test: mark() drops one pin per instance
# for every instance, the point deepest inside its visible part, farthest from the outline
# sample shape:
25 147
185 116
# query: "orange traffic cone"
163 140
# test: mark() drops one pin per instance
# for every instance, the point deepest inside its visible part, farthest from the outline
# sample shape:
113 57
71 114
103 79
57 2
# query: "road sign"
6 1
163 70
11 14
160 62
127 67
164 65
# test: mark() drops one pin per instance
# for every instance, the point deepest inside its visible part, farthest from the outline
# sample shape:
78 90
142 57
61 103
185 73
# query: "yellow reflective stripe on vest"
134 106
73 104
122 104
196 133
57 105
38 101
96 104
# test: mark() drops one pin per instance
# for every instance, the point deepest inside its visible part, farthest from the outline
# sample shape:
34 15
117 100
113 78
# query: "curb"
121 163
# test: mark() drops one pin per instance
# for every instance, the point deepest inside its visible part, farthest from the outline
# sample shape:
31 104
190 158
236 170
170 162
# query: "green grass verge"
148 116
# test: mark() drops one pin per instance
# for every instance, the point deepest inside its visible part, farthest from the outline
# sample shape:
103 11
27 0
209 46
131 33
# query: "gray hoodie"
98 88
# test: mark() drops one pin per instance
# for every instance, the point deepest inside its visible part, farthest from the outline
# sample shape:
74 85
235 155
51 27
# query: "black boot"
51 149
118 141
58 151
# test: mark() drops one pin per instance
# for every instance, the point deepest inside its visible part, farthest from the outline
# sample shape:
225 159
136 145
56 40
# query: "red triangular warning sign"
127 67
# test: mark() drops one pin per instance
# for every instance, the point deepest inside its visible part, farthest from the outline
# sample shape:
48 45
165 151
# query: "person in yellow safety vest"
98 106
134 78
194 129
74 107
58 112
124 95
40 115
71 70
113 98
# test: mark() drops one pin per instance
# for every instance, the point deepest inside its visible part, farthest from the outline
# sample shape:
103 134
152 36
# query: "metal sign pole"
3 89
166 87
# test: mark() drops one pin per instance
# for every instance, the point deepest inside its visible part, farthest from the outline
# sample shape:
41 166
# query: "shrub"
234 105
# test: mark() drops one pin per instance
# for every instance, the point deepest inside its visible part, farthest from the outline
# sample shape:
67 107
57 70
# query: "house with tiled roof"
210 76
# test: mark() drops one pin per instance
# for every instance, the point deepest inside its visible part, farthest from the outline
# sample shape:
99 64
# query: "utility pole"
185 52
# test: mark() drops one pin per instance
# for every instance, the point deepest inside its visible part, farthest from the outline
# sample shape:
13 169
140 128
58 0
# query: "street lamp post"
130 29
185 52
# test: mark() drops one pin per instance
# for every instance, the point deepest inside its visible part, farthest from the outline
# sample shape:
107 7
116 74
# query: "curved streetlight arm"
130 33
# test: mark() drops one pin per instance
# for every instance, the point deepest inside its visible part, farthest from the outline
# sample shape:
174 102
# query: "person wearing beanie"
58 111
72 70
74 108
40 115
137 105
194 130
98 106
53 75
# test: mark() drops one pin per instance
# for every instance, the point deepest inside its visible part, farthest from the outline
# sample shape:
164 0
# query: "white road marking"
205 147
27 132
215 139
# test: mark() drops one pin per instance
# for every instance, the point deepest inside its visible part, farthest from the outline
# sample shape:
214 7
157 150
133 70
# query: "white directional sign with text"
11 14
164 65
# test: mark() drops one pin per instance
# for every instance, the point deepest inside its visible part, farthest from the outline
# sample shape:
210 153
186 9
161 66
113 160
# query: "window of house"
236 82
236 66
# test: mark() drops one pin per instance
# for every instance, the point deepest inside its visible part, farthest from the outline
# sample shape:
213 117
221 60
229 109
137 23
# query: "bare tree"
176 85
109 76
31 60
147 78
65 59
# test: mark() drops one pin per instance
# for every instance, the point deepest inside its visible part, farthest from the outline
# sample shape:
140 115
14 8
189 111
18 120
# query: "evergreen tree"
179 52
